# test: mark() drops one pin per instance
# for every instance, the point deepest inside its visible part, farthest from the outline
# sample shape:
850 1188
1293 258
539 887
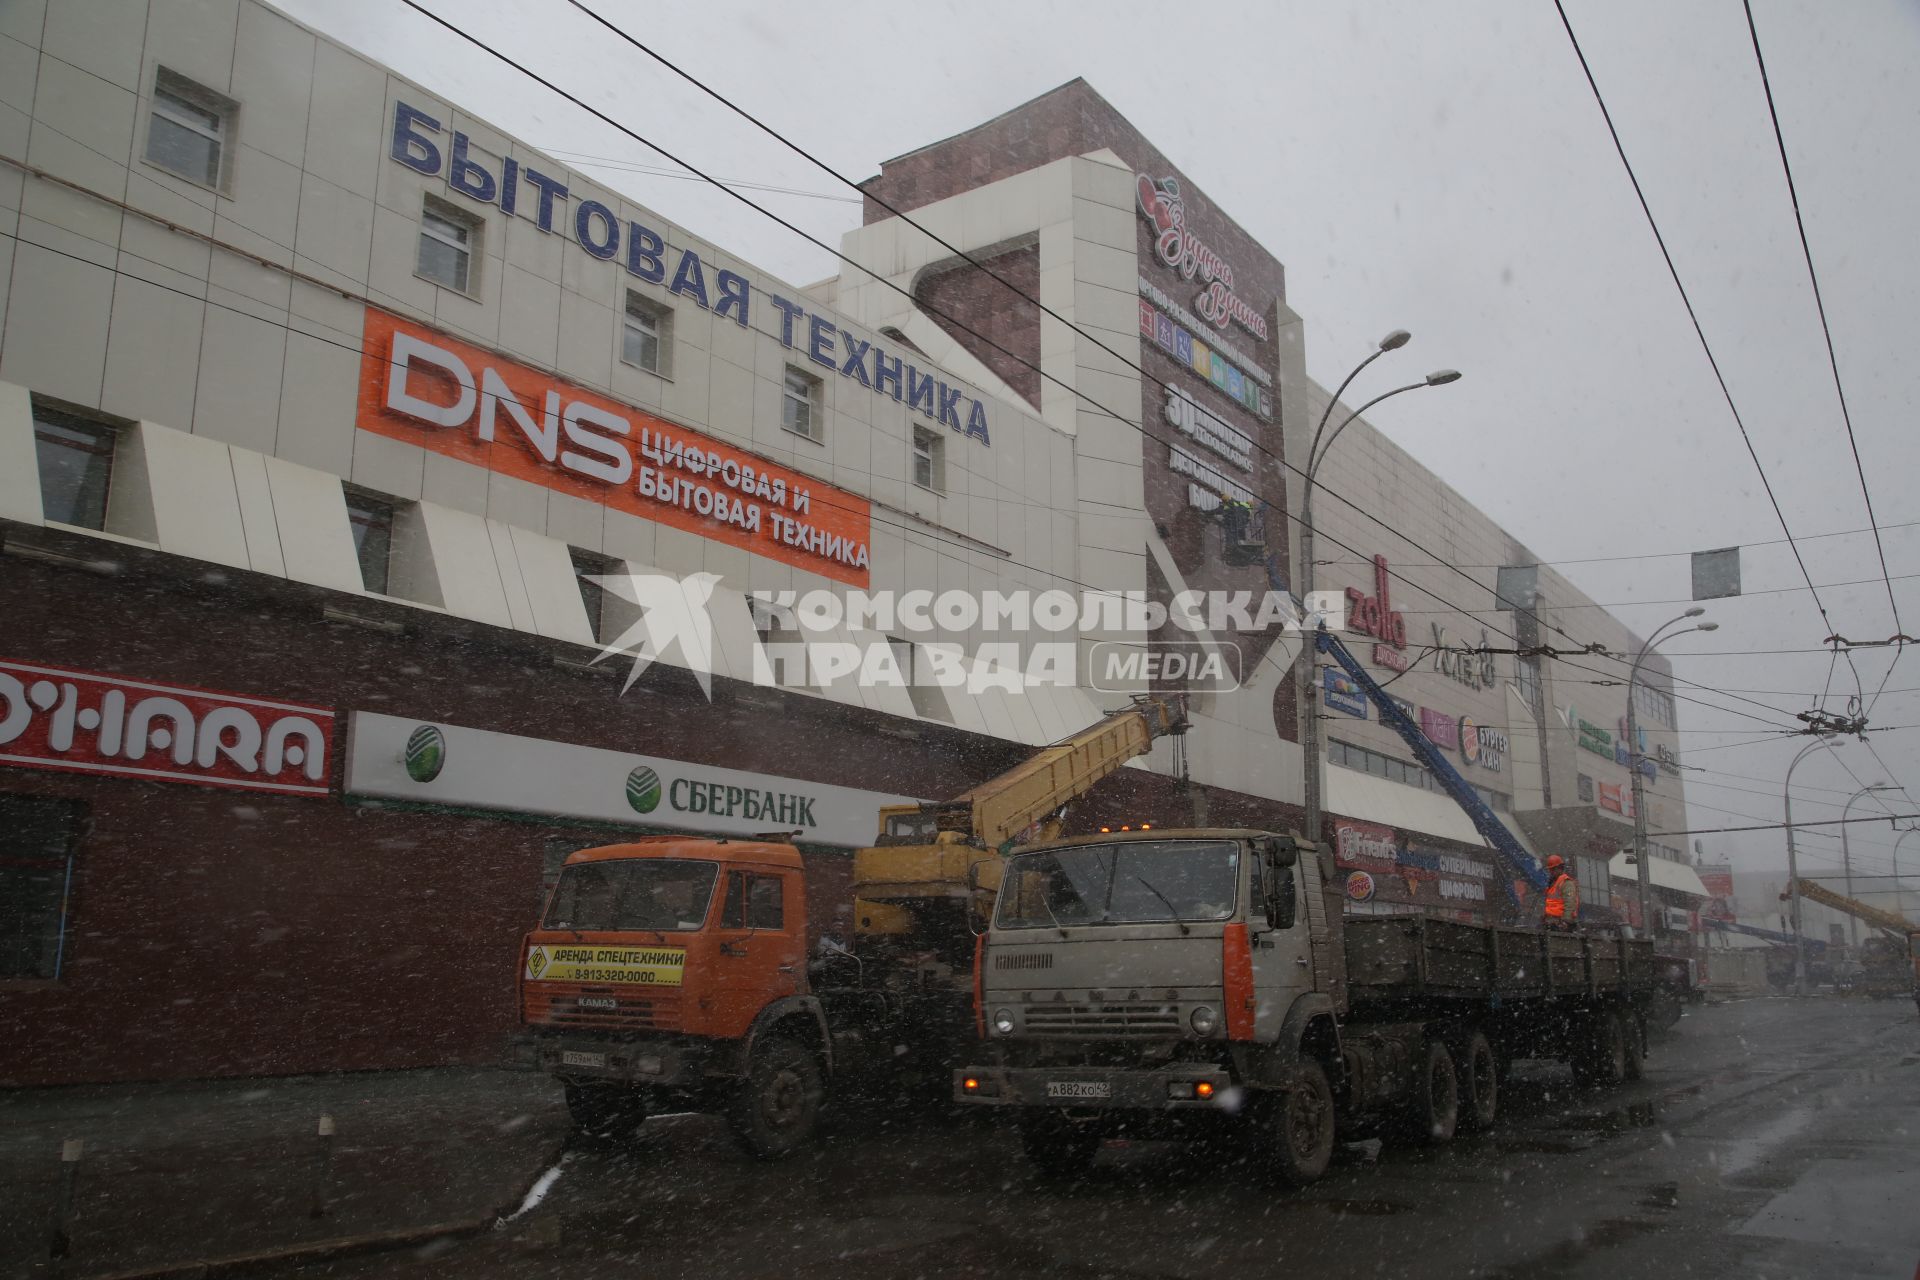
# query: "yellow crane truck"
673 970
1891 961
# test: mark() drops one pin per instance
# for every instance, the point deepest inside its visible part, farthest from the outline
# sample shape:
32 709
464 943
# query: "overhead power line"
1826 331
1644 555
890 284
1693 316
1781 826
1009 286
977 265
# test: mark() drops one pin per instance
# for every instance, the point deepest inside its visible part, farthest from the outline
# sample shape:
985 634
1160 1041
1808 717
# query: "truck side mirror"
1279 853
1282 897
976 914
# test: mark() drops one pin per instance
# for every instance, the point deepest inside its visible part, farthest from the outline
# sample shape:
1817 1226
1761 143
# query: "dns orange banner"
463 401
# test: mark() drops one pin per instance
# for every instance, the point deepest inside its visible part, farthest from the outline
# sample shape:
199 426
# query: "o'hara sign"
432 762
83 722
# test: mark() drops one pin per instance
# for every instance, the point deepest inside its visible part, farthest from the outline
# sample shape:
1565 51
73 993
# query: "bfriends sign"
394 758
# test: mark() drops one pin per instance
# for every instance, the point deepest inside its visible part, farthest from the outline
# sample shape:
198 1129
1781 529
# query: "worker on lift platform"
1562 904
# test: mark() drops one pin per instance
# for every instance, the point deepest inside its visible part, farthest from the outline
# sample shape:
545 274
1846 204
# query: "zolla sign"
428 762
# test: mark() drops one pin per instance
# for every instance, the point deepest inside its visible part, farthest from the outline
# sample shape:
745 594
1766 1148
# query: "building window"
1584 785
372 521
76 466
586 567
37 838
189 129
449 238
929 460
646 341
800 404
1526 677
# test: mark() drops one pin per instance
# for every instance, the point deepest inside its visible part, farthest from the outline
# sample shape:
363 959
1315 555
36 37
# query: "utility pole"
1308 664
1634 757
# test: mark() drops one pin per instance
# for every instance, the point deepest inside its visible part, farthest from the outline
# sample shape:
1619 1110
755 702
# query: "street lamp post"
1307 664
1899 891
1634 757
1793 870
1846 856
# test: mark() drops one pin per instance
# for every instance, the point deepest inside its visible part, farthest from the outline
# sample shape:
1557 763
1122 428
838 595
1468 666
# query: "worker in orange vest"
1563 895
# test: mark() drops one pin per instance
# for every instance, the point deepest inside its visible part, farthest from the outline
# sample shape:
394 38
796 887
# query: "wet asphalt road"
1771 1139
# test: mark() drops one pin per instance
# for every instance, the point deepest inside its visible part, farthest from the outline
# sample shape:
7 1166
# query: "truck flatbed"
1410 956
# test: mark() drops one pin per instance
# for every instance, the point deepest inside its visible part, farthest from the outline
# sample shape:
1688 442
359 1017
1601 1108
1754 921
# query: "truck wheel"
1600 1057
605 1110
1297 1140
1479 1073
1056 1147
1432 1111
774 1110
1634 1028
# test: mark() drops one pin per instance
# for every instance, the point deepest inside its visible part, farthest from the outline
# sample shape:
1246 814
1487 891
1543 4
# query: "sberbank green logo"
426 753
643 790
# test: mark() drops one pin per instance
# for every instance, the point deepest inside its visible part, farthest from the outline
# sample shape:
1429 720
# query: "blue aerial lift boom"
1519 862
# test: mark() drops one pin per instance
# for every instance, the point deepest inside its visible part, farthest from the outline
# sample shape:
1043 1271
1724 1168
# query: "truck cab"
1136 982
673 971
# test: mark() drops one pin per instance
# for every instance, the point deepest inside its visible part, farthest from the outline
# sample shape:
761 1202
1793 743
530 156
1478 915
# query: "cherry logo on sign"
1176 244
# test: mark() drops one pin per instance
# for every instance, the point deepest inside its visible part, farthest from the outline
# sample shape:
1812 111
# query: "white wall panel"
56 336
310 511
19 471
238 396
153 353
101 37
196 510
553 594
463 559
256 512
513 587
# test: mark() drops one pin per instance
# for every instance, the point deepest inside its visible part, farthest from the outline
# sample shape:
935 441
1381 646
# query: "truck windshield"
1133 883
633 893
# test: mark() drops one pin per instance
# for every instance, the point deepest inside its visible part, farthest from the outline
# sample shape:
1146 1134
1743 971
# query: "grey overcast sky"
1440 167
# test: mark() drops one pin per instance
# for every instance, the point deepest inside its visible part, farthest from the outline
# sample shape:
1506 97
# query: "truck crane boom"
1814 891
1519 862
929 850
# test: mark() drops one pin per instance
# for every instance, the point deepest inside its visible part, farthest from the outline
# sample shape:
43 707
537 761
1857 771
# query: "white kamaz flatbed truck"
1188 982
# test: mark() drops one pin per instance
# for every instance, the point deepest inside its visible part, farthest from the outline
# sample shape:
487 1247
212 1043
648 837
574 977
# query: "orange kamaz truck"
674 971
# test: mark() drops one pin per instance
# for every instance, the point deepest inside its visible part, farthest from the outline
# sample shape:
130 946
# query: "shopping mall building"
324 406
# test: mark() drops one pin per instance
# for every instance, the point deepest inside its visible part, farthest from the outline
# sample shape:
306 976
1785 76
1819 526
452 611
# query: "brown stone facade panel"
997 324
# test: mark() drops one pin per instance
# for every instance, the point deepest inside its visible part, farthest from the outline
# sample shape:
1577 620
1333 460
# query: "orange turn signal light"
1203 1090
971 1084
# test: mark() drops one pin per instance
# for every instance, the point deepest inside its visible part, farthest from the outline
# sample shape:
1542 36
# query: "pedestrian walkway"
172 1176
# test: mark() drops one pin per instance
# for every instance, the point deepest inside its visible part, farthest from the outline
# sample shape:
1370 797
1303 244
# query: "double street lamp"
1899 892
1308 661
1635 757
1793 869
1846 855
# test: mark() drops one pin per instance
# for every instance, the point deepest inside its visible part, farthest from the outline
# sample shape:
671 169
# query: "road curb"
342 1246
